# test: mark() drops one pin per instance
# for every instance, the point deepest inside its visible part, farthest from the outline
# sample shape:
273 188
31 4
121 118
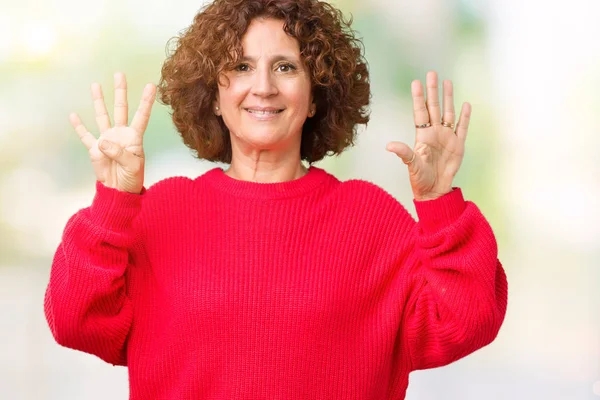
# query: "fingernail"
104 145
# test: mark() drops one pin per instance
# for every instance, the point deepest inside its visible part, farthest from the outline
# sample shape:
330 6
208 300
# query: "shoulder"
176 184
369 212
368 192
167 202
167 185
363 187
370 200
165 196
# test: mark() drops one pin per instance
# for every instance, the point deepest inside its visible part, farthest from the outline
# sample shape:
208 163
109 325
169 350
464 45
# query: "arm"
455 287
86 304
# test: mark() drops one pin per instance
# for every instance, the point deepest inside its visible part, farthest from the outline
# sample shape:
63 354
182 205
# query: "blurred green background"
531 71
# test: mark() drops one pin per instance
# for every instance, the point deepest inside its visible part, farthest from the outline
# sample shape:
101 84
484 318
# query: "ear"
312 110
216 108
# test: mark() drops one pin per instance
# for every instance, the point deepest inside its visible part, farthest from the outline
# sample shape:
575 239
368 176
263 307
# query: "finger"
120 99
420 112
402 150
142 115
463 121
86 137
102 117
449 114
433 100
117 153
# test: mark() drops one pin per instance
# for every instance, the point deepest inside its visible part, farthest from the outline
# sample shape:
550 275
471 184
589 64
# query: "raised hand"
439 147
120 164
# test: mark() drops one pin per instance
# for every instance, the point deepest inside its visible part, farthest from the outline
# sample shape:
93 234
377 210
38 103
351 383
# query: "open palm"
439 148
121 164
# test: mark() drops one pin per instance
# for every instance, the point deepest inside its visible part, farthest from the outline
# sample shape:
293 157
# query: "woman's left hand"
439 147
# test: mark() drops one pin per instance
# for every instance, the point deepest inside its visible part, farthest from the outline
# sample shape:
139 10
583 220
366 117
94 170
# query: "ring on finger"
448 124
426 125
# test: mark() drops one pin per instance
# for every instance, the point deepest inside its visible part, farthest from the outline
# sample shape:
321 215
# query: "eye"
242 67
285 67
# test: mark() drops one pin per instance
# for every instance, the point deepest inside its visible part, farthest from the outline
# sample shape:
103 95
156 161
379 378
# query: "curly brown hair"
212 45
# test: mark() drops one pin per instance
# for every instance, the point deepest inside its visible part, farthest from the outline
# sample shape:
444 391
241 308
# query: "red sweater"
216 288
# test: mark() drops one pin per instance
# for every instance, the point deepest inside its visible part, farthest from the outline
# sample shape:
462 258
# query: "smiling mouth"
263 112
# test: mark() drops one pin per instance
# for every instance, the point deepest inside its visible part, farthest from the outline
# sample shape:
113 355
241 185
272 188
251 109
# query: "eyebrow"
275 58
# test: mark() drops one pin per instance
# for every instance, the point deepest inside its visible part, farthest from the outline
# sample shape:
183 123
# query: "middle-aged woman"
272 279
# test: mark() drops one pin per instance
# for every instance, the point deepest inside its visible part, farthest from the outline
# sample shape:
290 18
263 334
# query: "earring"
217 108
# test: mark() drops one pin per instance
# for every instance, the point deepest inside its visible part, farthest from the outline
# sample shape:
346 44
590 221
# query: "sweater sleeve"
455 287
85 304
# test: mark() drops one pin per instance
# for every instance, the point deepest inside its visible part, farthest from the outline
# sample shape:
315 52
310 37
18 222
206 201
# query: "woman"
270 279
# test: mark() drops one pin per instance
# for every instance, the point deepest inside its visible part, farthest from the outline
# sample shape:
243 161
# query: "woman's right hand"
121 164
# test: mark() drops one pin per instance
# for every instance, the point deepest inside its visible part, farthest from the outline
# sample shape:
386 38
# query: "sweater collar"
217 178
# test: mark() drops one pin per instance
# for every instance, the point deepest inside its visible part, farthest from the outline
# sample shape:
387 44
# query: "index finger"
86 137
142 115
420 113
463 122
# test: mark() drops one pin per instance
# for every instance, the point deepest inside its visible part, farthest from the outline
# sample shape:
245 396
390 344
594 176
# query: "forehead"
265 36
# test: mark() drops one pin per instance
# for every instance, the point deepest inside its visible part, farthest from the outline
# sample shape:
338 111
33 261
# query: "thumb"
402 150
116 152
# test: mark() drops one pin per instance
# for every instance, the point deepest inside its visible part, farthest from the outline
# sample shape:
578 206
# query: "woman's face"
267 97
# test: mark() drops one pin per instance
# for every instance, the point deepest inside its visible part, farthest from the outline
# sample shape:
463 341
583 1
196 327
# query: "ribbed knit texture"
216 288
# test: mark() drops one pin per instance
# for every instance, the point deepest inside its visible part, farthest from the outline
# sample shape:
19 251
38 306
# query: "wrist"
431 195
438 214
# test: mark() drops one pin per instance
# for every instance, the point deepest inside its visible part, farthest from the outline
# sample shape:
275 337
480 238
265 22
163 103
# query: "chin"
265 140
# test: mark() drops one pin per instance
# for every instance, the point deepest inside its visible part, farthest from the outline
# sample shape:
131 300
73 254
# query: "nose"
264 84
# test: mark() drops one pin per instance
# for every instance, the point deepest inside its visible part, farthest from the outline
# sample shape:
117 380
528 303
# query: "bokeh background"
530 69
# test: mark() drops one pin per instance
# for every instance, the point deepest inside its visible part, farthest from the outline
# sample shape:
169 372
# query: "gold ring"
411 160
427 125
448 124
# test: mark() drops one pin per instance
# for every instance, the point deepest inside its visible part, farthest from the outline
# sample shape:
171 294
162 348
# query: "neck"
266 172
265 166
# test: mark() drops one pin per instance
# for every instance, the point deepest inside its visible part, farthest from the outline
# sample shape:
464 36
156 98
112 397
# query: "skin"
266 148
438 150
271 74
121 164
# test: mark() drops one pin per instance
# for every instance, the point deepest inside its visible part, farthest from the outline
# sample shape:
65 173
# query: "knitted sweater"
216 288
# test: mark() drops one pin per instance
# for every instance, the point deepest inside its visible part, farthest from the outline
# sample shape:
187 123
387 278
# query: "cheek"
301 98
231 96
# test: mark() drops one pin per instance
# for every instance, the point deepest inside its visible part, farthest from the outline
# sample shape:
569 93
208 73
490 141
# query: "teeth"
263 112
